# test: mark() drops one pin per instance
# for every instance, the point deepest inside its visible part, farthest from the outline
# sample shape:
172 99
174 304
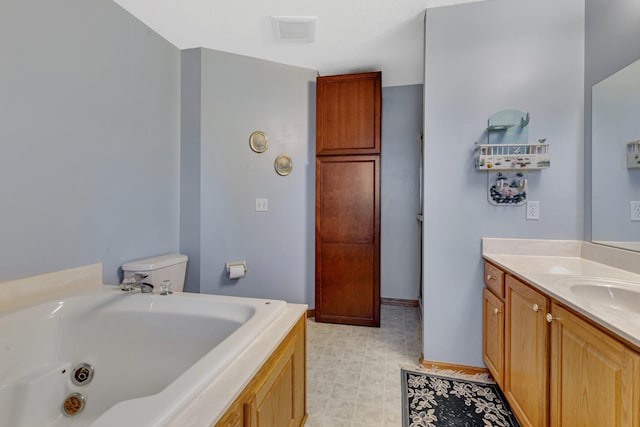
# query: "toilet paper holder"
235 263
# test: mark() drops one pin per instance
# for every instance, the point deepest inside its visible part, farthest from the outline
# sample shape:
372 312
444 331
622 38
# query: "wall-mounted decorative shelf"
508 156
512 156
633 155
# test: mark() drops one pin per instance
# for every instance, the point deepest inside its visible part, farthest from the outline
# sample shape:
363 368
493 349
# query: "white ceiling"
352 35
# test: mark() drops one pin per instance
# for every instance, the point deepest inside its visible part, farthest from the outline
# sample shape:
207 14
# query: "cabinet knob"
496 311
549 317
489 277
536 308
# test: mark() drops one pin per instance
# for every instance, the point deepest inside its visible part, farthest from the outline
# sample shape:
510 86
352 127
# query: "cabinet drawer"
494 279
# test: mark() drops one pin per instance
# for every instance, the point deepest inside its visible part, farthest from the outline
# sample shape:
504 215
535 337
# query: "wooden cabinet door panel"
346 294
277 407
348 114
526 372
347 205
493 336
348 240
594 378
278 399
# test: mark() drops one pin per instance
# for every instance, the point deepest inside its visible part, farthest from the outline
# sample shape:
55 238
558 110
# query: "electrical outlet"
533 209
262 205
634 210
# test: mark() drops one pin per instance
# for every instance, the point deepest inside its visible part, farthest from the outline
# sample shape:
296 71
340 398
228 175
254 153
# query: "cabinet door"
493 335
279 397
273 405
276 396
348 240
526 372
348 112
594 378
276 409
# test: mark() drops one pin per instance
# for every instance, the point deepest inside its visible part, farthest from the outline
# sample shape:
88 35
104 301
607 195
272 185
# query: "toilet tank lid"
154 263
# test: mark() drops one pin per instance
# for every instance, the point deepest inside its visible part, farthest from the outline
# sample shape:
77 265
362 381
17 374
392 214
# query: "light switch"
634 210
262 205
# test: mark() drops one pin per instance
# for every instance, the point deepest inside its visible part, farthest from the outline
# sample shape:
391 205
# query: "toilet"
155 270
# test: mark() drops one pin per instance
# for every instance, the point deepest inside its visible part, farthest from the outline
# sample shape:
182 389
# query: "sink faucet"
131 283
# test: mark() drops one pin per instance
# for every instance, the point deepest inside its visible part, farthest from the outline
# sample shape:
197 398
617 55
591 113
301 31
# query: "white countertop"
549 261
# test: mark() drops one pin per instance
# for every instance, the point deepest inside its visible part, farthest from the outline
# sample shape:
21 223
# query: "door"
348 114
592 375
348 240
493 335
526 372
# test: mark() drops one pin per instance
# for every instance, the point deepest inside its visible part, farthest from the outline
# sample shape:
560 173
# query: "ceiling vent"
294 28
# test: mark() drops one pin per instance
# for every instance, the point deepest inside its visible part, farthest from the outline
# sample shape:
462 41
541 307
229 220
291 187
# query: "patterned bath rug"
431 400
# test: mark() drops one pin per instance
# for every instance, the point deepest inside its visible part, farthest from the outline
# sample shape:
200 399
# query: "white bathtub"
152 354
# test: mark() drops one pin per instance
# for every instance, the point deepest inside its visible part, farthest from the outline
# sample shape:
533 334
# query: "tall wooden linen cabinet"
348 122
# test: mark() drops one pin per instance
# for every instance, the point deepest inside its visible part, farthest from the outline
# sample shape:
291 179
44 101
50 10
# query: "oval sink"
617 294
610 296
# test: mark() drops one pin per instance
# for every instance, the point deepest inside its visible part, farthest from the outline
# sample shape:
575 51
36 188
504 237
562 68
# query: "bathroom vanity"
562 331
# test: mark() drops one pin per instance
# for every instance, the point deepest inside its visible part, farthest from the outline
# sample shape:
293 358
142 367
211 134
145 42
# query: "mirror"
616 185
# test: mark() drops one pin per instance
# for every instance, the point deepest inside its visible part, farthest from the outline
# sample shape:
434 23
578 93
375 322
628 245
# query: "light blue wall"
89 129
190 146
482 58
400 175
225 97
238 96
97 115
612 34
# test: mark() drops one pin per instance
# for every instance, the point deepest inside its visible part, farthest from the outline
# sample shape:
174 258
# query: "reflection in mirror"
615 123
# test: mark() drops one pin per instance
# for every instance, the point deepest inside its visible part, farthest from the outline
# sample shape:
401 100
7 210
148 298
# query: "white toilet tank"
155 270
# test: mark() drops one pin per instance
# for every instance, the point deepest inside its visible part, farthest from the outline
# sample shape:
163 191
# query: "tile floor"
353 372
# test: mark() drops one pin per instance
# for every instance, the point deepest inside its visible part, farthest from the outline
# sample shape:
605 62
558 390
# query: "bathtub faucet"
131 283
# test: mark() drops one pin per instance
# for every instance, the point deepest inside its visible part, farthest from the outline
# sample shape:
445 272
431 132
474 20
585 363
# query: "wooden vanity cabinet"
595 379
276 396
526 372
560 369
